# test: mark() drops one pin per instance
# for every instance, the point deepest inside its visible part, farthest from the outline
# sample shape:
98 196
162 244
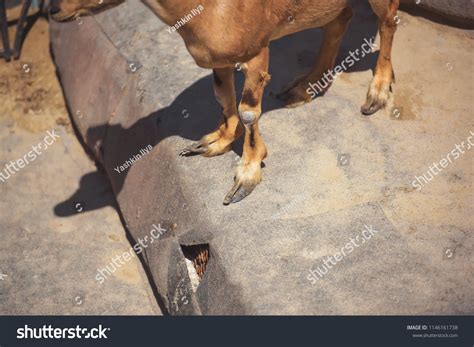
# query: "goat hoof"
369 108
238 192
195 148
293 97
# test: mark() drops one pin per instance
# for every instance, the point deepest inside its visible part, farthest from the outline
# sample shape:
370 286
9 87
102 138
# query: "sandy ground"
48 263
30 91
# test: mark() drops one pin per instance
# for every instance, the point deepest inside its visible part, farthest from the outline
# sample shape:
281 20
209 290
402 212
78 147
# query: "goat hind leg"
380 86
298 92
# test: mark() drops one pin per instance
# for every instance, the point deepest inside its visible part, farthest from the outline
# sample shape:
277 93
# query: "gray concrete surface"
311 203
54 239
458 11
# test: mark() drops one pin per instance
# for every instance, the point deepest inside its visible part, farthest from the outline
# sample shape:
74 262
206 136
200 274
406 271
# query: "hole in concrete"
197 257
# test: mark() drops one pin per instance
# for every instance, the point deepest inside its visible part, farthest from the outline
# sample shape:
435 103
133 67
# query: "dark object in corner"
7 52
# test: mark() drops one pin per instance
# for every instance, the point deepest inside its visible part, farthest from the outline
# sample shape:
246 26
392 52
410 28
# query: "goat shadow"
290 57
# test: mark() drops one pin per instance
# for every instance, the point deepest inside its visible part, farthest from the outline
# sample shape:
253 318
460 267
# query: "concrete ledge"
130 85
458 11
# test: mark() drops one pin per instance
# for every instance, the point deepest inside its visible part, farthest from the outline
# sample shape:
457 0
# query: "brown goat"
230 32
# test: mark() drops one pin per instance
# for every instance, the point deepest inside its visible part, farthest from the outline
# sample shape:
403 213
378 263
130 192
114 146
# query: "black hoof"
238 193
370 108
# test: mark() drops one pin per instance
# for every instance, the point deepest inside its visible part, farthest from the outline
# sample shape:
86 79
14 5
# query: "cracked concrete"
310 203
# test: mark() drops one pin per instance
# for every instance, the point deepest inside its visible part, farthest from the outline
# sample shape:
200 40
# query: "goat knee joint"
248 117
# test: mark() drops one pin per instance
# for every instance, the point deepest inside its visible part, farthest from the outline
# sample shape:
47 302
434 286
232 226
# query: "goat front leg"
230 129
249 172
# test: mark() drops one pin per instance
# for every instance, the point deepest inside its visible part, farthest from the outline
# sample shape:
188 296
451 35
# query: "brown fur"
233 32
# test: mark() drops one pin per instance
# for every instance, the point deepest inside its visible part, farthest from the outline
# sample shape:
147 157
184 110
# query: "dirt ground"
29 87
